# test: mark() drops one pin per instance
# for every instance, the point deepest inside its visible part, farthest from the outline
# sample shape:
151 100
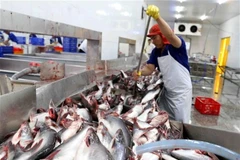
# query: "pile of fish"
104 123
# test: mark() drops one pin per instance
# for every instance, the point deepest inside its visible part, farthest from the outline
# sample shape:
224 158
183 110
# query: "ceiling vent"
192 29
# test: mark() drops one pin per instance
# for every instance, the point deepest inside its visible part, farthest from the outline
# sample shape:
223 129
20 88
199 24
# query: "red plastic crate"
206 105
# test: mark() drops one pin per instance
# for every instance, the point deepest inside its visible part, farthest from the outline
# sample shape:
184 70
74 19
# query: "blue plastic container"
21 40
69 44
70 49
36 41
69 40
6 50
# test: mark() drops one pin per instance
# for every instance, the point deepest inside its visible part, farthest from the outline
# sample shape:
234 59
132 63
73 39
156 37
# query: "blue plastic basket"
69 40
21 40
70 49
6 50
37 41
71 45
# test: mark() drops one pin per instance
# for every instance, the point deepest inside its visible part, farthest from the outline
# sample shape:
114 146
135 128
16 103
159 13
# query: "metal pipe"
143 44
188 144
25 72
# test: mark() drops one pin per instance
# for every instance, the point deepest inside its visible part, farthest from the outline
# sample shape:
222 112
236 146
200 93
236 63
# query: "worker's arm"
13 38
6 42
145 71
59 40
153 11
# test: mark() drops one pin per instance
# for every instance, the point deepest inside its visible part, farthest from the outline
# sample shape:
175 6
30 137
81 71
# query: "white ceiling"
218 13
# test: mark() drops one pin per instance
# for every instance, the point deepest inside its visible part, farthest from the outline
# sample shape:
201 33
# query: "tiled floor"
229 118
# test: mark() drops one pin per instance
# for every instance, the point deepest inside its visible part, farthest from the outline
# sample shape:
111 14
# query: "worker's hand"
136 75
6 43
153 11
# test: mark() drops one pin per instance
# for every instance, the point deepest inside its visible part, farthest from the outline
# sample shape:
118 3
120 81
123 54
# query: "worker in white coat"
83 47
11 37
149 47
170 57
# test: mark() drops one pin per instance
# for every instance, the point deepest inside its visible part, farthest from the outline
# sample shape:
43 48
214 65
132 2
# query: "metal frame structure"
202 74
230 74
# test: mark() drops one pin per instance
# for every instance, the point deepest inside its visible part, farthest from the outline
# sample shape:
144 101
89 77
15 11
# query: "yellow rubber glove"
153 11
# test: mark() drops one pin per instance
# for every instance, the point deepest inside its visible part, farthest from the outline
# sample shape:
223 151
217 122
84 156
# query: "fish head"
91 137
102 128
119 136
25 130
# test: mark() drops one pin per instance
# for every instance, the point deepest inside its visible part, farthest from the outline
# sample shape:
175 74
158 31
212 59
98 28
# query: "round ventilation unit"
193 29
181 28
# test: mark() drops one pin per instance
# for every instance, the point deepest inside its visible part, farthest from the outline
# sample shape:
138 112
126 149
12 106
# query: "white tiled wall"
106 16
231 29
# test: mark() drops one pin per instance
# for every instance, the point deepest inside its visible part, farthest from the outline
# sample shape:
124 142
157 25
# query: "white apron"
177 96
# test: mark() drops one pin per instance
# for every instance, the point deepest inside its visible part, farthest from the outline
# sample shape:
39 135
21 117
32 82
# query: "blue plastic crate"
21 40
69 45
6 50
70 49
36 41
69 40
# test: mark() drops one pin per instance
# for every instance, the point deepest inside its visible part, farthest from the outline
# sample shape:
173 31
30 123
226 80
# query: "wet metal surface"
80 61
14 109
61 89
229 118
11 66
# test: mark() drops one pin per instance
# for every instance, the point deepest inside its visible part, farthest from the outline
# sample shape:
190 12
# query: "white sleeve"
83 46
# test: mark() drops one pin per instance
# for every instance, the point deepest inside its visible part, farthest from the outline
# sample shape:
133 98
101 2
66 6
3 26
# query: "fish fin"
29 145
16 137
52 155
87 142
112 143
52 113
37 145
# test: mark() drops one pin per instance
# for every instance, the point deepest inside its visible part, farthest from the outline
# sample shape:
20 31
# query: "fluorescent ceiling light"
222 1
181 1
178 16
101 12
126 14
116 6
179 9
203 17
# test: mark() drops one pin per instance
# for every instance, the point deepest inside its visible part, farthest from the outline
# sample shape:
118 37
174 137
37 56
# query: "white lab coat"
177 97
83 46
